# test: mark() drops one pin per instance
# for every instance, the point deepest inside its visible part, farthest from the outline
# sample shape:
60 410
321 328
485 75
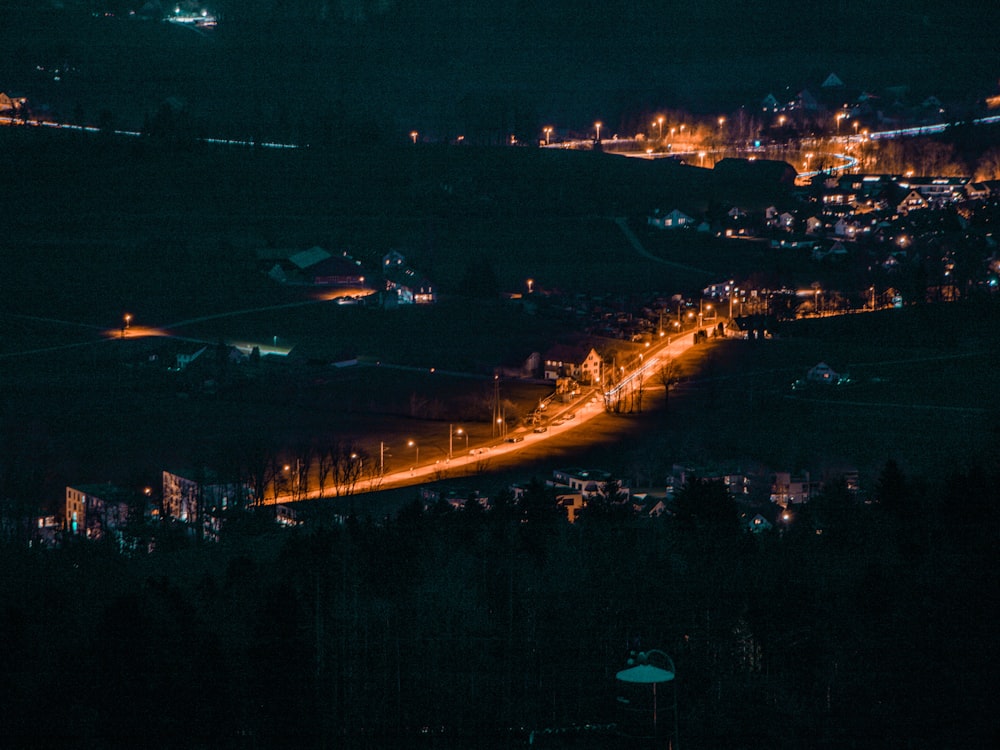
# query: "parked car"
515 439
541 429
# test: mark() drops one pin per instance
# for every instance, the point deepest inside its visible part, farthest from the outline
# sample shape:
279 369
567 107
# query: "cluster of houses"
890 216
196 499
764 501
399 282
833 101
199 503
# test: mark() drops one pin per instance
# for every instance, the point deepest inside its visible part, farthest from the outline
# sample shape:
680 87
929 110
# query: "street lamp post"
597 127
416 451
659 122
652 668
548 134
413 135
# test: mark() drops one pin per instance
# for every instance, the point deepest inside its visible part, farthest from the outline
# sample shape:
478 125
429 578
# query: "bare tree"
304 459
324 466
667 376
258 463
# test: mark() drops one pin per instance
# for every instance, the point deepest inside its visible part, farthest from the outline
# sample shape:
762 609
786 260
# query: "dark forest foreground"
855 626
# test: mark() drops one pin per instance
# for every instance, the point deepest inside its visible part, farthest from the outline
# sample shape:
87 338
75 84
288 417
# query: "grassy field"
924 394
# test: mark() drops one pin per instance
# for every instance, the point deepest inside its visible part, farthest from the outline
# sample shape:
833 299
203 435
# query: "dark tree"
891 490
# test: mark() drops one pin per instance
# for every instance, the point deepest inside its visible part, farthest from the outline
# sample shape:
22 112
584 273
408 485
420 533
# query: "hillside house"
937 190
913 201
408 287
194 496
788 490
11 105
95 510
737 483
582 363
393 259
675 219
823 373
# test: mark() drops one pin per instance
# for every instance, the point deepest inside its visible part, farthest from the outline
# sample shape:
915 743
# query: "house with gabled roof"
770 103
832 82
580 362
847 227
913 201
675 219
11 105
393 259
409 287
977 191
307 258
938 189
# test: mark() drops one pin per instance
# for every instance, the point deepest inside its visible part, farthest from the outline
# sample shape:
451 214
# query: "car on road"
541 429
515 439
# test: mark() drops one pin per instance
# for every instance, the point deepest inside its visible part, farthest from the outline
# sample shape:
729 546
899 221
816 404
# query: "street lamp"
531 285
413 135
548 134
451 435
597 126
701 158
652 668
416 451
659 122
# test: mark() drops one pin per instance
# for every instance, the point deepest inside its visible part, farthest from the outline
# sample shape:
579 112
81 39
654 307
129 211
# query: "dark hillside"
370 70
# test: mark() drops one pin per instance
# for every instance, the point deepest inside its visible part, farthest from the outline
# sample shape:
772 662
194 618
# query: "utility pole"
496 404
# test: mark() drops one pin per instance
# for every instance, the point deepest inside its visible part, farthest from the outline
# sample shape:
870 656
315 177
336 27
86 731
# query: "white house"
578 362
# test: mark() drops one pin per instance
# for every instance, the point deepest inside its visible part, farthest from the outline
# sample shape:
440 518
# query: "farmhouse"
581 363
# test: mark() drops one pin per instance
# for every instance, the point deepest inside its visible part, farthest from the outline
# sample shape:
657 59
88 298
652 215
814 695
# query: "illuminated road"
591 403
